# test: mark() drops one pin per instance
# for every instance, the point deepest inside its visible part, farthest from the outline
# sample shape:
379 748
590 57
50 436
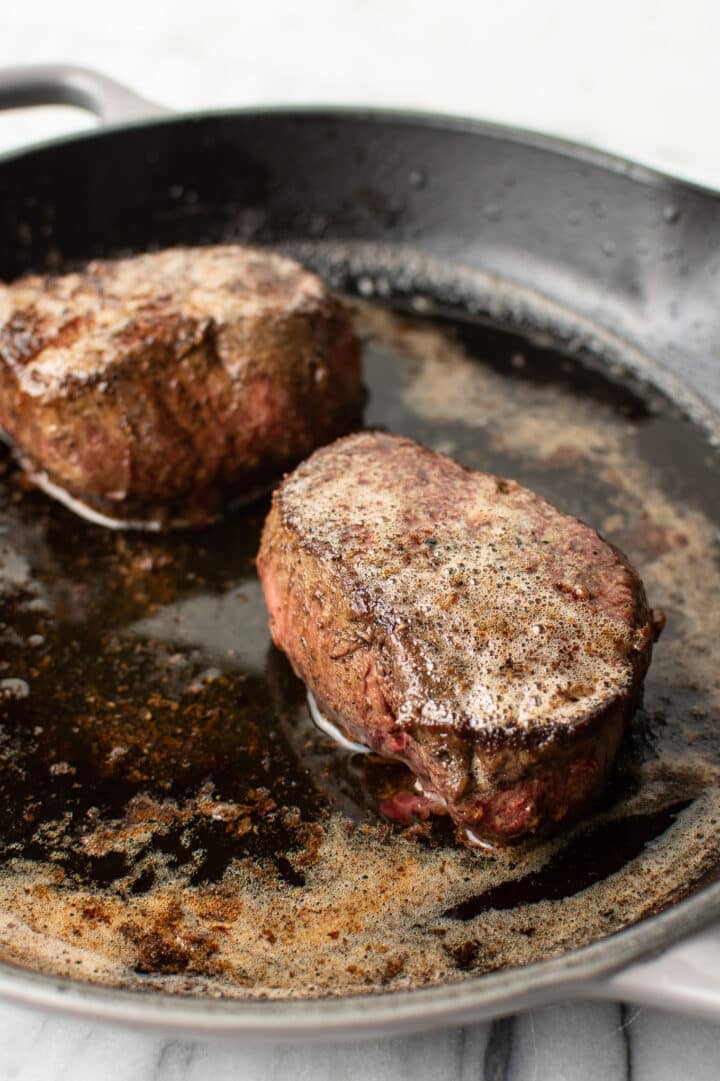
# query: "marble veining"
573 1042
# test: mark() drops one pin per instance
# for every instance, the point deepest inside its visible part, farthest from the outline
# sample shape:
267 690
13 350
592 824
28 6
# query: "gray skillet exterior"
621 262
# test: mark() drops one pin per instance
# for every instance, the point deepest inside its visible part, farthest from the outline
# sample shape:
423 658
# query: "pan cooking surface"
172 819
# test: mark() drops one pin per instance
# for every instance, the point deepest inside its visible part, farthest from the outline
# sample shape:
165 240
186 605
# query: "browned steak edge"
532 778
165 432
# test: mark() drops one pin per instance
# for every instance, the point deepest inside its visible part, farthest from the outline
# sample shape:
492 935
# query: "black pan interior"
631 251
171 818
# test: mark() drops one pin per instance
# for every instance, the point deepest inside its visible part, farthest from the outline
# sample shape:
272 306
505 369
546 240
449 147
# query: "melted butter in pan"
170 817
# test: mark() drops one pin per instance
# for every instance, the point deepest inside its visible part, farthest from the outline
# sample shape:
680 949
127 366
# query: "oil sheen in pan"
171 818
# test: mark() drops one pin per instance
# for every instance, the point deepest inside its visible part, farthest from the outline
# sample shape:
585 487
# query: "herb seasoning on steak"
460 623
149 391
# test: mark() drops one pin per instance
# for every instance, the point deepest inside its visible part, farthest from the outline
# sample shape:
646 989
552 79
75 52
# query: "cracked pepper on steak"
153 389
459 623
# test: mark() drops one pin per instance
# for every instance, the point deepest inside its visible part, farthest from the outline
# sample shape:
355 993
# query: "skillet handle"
65 84
685 978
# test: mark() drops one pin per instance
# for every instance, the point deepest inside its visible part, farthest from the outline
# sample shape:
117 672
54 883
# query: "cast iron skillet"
497 204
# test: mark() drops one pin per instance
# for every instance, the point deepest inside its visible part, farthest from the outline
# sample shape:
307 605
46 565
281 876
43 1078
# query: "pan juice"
172 818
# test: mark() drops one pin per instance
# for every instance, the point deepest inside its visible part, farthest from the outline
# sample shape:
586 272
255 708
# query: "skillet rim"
529 137
326 1019
472 998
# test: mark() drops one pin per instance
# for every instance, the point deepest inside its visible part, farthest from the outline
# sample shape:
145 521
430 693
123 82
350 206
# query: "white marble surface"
641 79
575 1042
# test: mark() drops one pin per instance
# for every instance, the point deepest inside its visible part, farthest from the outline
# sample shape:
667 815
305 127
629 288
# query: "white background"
637 77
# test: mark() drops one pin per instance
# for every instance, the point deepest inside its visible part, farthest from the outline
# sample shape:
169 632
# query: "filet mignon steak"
152 389
460 623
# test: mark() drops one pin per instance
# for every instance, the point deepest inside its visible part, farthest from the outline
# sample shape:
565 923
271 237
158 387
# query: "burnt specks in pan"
170 818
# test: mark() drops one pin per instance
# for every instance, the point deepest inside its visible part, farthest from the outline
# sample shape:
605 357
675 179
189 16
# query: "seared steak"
460 623
154 388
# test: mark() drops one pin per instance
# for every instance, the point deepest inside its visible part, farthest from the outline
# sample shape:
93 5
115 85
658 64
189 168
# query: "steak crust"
153 389
460 623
